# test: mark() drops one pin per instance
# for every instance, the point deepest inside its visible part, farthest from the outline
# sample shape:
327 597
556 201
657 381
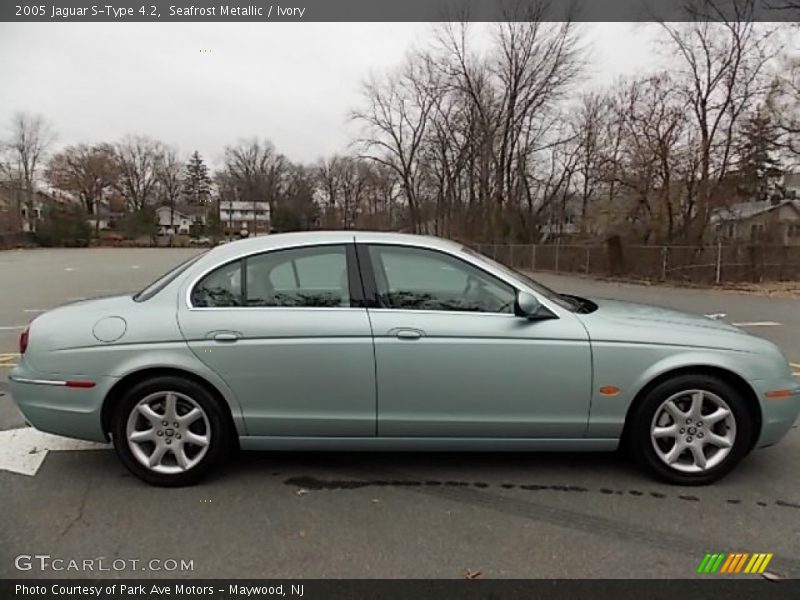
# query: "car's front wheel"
169 431
691 430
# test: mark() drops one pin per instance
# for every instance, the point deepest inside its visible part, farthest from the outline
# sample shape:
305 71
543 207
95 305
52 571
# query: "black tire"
221 435
641 444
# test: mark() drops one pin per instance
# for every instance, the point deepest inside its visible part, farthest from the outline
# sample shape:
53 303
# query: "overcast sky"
293 83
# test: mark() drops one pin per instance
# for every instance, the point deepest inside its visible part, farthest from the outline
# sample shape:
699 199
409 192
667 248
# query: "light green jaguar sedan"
381 341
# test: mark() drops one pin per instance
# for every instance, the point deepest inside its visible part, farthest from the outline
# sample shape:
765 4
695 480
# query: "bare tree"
382 197
258 174
783 102
396 117
327 174
31 137
653 157
88 172
298 210
169 169
513 91
589 127
345 183
722 63
548 184
138 159
463 130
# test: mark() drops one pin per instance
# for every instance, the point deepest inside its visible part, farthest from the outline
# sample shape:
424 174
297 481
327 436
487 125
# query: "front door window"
417 279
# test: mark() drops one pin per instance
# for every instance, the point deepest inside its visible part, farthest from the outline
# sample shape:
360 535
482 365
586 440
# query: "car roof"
302 238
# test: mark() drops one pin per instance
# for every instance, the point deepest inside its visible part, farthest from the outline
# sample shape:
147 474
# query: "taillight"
23 339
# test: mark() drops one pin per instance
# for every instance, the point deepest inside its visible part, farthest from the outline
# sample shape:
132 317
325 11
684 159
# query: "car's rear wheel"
169 431
691 430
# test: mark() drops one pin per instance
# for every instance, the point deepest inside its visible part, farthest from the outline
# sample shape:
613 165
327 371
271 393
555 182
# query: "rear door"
287 330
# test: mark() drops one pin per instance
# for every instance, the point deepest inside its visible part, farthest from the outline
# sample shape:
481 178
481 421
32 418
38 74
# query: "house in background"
238 217
106 219
179 220
108 211
9 217
774 222
560 226
18 212
561 220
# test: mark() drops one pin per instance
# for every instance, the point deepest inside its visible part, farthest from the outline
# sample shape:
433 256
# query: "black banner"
732 588
397 10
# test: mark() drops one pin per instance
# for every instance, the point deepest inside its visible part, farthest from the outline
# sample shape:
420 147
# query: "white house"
236 216
178 221
775 222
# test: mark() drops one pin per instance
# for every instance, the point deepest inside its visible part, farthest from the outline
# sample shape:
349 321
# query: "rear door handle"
226 336
408 334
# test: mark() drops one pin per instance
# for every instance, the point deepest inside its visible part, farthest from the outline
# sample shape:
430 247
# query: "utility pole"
230 212
255 213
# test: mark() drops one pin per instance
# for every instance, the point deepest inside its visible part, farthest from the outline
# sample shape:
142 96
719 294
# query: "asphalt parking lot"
379 514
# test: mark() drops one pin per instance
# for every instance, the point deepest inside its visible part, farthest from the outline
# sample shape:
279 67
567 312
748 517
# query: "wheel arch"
131 379
730 377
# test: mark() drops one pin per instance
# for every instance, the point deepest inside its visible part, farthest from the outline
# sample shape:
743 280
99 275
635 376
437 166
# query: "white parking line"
8 359
11 327
23 450
757 324
35 310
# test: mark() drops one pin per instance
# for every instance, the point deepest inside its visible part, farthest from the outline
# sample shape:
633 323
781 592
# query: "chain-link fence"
695 264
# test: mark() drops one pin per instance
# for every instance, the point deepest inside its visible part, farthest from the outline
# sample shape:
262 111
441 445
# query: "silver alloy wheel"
168 432
693 431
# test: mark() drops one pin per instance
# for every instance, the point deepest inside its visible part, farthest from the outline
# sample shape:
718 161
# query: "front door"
285 329
453 360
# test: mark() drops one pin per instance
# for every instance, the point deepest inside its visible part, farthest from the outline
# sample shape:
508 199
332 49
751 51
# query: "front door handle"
226 336
408 334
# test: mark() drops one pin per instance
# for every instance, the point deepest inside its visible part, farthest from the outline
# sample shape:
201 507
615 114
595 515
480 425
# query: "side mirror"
527 305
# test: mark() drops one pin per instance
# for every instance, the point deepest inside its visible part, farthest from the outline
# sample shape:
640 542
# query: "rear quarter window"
163 281
221 288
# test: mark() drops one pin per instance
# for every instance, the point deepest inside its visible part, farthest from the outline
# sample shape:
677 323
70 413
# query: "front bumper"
49 405
778 414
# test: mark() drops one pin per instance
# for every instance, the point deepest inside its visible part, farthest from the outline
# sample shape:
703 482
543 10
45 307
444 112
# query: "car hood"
643 314
630 323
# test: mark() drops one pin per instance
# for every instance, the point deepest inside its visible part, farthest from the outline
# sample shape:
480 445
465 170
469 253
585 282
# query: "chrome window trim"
240 308
515 284
471 313
366 240
219 265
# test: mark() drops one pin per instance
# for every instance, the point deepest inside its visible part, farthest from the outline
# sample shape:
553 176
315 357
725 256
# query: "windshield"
562 301
167 278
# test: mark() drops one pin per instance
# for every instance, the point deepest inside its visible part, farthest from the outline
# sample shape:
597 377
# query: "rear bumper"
49 405
778 413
